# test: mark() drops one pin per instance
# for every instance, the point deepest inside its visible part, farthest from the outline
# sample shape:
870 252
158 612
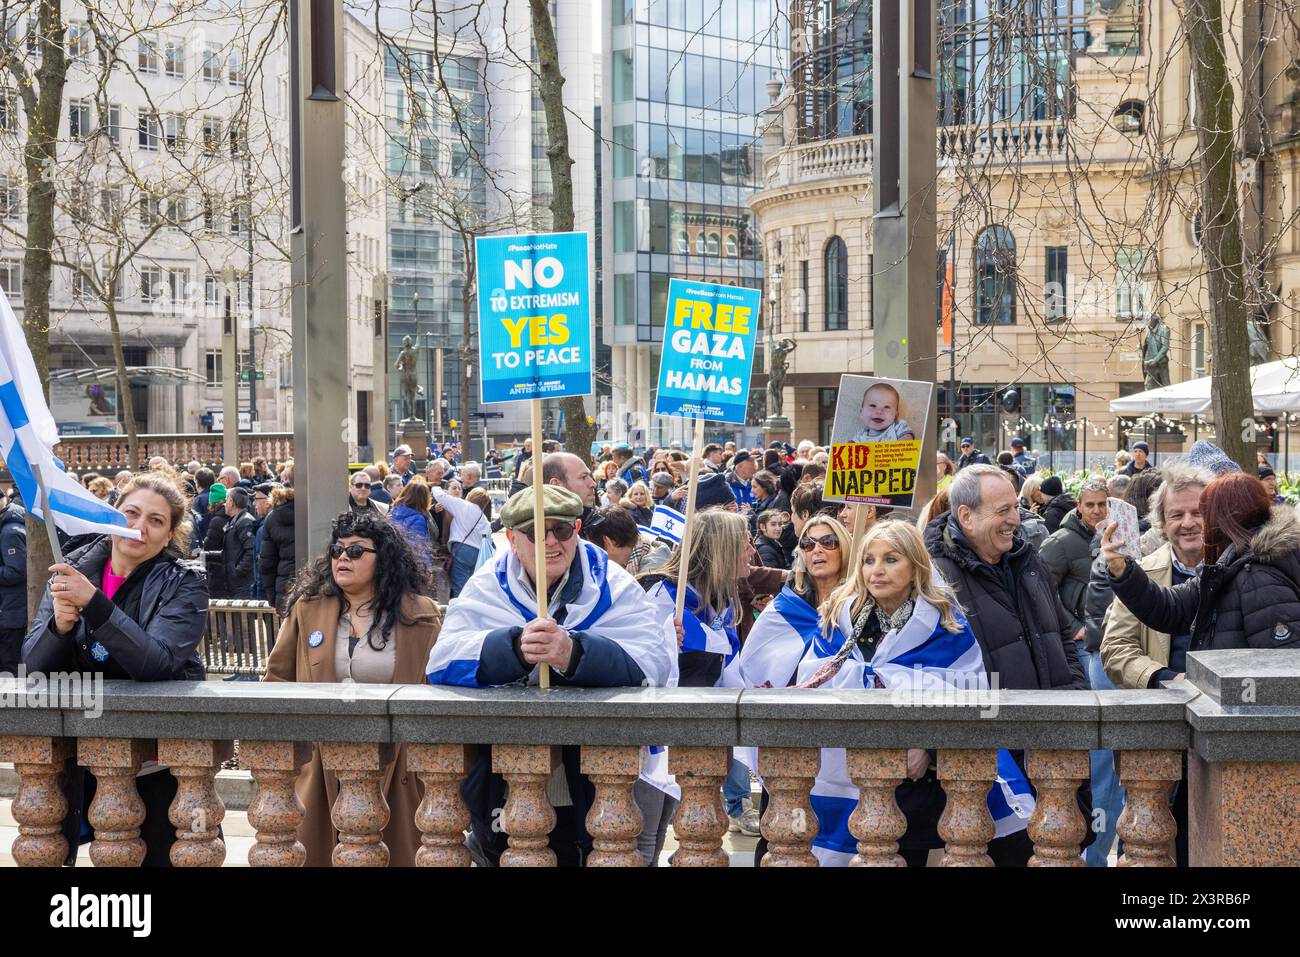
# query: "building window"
8 111
178 285
151 210
211 135
110 203
835 259
79 37
149 131
175 126
995 272
238 142
240 217
1056 304
147 55
235 68
151 284
11 197
1200 365
1130 117
1130 295
803 295
212 65
177 212
174 58
110 117
79 120
212 367
11 278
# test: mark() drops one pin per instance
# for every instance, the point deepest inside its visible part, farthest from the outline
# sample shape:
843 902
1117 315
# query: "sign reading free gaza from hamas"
534 316
708 351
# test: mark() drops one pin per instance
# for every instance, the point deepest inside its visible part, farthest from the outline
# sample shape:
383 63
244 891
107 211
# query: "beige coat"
1131 652
293 659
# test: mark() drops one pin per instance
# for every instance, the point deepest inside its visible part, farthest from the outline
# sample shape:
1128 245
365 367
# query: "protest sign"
534 316
708 351
876 440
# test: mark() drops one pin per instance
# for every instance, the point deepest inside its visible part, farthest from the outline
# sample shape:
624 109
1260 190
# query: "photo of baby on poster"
876 440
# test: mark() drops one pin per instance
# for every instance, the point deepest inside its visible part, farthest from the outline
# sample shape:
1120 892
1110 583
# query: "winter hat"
1207 455
713 490
741 456
1141 446
1266 472
662 478
1052 486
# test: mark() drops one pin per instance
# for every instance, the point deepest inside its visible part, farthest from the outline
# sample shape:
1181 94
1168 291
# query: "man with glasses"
359 499
597 634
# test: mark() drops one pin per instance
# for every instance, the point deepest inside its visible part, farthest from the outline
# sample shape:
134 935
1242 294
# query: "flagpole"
859 529
47 517
697 450
539 528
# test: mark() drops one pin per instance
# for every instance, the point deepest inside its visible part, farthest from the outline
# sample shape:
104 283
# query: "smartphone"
1124 517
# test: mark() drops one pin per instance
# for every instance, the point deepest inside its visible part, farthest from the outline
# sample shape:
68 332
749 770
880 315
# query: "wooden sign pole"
697 451
539 528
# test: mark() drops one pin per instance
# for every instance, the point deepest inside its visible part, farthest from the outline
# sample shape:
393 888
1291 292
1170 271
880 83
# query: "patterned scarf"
888 622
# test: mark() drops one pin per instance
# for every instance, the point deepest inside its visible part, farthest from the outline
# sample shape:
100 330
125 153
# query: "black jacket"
1054 512
1068 554
13 567
159 643
277 559
771 554
1096 603
1025 636
1248 599
214 540
974 457
237 553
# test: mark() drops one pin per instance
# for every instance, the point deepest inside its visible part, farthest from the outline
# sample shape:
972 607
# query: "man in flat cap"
599 633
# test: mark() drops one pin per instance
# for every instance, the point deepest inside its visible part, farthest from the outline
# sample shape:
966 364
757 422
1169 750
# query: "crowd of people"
1005 577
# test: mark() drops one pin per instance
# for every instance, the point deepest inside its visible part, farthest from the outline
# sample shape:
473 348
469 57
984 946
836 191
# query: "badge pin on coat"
314 639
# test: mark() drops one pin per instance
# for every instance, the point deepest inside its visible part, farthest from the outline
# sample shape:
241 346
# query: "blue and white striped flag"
27 439
668 524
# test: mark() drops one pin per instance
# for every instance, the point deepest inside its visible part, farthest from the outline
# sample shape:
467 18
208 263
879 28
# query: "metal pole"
229 376
1051 454
903 189
318 222
1085 443
252 312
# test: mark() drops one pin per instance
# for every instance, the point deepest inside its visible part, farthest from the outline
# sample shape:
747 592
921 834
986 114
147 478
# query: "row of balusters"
112 452
360 814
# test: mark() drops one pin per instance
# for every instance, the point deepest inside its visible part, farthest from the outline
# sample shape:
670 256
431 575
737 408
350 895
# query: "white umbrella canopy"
1274 385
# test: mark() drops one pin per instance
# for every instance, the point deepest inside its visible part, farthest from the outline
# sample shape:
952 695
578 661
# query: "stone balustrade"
85 453
1237 719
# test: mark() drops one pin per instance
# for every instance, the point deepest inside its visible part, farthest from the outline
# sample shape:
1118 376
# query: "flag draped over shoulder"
28 435
611 604
717 636
922 655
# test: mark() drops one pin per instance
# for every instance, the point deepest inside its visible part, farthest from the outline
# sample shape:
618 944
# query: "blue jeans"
463 559
1107 794
736 788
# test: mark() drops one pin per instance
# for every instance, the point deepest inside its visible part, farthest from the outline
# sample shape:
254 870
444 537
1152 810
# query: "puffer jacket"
13 566
1054 512
277 556
1025 638
237 554
1068 554
1248 599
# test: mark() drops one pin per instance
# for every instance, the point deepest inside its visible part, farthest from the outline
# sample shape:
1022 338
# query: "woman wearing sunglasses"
359 614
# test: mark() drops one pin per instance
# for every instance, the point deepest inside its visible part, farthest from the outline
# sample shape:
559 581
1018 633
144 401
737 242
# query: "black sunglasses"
563 531
828 542
353 551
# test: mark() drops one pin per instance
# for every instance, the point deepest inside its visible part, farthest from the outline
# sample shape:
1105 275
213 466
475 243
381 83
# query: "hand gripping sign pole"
708 356
534 317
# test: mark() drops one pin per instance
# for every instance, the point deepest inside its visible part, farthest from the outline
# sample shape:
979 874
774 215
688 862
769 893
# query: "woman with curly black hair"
358 614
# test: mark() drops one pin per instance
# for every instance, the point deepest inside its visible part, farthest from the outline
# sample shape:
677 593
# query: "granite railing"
1237 718
82 453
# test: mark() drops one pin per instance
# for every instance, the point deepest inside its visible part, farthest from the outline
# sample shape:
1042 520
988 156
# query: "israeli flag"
668 524
27 439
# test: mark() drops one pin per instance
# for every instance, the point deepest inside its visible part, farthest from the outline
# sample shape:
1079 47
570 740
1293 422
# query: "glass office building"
683 87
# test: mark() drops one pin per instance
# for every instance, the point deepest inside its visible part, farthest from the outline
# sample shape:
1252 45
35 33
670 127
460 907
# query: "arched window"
835 262
683 242
731 245
1130 117
714 243
699 243
995 271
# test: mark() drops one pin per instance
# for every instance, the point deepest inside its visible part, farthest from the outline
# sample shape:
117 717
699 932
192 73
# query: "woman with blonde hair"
639 503
1029 492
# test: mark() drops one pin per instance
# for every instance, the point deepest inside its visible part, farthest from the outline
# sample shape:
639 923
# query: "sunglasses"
563 531
352 551
361 485
828 542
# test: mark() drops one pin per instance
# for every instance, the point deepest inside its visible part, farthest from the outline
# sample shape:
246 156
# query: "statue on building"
777 366
407 362
1155 354
1257 333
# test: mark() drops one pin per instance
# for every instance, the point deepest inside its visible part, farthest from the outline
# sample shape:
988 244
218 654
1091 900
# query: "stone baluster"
197 810
360 812
275 811
1146 827
528 816
1056 826
701 819
966 825
39 807
614 820
442 816
789 823
117 811
877 822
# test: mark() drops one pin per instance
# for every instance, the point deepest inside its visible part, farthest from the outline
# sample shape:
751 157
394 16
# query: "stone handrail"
188 726
81 453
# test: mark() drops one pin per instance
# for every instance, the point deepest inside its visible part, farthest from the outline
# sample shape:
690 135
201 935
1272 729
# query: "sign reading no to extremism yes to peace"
708 351
534 316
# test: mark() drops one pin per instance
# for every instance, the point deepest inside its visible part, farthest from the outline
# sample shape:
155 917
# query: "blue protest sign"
534 316
708 351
